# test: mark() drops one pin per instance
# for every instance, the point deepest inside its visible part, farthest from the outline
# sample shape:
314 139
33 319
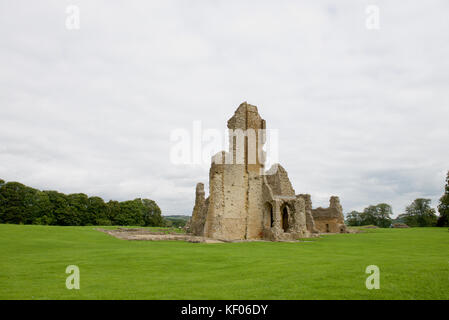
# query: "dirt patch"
400 225
164 235
147 235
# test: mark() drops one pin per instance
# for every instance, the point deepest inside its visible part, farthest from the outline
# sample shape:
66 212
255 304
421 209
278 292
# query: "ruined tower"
330 219
235 184
245 201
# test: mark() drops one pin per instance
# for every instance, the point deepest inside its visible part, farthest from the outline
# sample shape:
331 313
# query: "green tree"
131 213
99 210
2 207
28 203
443 207
378 215
383 215
40 211
113 211
59 208
16 200
420 214
21 204
174 222
152 214
369 216
78 213
354 218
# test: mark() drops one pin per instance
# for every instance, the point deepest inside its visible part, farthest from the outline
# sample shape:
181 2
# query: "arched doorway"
285 219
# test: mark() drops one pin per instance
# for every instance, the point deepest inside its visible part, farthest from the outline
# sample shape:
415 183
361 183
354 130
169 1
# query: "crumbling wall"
236 200
198 220
299 224
280 195
279 182
310 223
254 223
330 220
245 202
247 120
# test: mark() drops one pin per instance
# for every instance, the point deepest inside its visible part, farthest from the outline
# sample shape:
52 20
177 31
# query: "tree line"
418 214
20 204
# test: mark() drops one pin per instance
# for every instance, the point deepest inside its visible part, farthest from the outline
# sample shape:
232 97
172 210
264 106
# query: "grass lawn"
414 264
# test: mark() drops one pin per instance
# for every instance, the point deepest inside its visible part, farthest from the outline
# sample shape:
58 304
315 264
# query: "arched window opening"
285 219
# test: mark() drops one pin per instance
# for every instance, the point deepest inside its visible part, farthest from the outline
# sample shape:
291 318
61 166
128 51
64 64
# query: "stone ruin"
248 203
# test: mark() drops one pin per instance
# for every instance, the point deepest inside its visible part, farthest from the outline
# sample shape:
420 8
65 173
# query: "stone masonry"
246 202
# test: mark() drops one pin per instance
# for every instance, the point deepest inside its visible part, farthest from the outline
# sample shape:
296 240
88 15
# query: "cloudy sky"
362 113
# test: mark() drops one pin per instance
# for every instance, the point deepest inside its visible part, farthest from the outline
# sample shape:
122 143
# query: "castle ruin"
246 202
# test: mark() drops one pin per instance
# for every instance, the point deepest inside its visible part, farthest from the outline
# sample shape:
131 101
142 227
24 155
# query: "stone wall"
279 182
196 225
330 220
235 184
245 202
310 223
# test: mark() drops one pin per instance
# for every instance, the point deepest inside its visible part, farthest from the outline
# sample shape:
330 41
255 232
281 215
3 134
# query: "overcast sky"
362 113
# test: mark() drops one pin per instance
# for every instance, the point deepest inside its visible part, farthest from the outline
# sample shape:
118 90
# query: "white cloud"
361 114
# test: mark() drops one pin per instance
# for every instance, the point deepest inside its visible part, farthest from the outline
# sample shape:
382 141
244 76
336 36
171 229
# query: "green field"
414 264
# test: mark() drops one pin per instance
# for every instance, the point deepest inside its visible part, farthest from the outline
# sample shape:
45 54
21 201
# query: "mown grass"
414 264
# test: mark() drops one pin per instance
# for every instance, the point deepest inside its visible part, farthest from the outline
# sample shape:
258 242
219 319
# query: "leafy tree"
152 213
59 208
443 207
15 199
420 214
131 213
175 222
2 207
113 211
378 215
40 211
78 212
99 211
354 218
22 204
383 215
369 215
